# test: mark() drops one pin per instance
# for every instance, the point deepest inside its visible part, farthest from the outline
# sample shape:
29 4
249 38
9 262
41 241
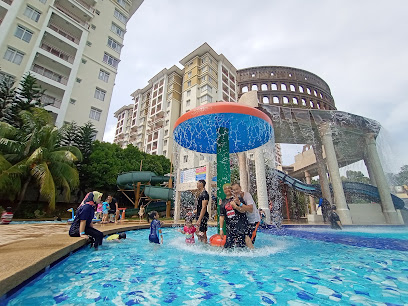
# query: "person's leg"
248 242
203 229
117 216
97 235
229 242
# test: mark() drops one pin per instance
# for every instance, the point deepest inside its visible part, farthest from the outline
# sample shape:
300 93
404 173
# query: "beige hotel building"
72 47
206 77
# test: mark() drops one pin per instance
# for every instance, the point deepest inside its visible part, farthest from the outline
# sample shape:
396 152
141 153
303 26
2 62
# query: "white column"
243 173
333 167
387 205
177 200
262 191
370 171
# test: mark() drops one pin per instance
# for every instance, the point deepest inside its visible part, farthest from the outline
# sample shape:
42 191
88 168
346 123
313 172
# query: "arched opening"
295 101
265 100
318 105
321 97
315 92
275 100
274 86
283 87
264 87
292 87
285 100
301 89
308 90
303 102
311 104
254 87
244 89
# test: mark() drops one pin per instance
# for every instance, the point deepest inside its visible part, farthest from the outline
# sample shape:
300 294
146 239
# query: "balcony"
49 74
85 6
57 52
73 13
9 2
64 33
48 100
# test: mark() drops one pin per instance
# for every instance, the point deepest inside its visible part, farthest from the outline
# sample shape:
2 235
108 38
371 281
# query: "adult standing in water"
82 225
201 211
250 209
232 211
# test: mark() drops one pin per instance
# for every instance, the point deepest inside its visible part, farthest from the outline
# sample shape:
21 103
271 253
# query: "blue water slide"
366 191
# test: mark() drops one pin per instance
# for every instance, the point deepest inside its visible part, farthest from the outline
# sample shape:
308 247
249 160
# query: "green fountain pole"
223 167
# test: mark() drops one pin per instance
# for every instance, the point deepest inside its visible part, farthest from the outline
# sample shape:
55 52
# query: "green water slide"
129 180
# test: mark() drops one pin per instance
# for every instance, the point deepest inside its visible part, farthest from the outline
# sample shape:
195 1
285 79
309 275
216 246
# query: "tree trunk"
22 193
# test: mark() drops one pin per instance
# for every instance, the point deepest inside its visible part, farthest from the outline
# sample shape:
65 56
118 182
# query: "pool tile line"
357 241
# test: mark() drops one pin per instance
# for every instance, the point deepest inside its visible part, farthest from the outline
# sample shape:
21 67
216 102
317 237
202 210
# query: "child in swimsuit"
155 229
105 211
98 214
116 237
189 231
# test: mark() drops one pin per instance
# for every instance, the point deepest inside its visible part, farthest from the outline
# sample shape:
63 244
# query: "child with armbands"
189 230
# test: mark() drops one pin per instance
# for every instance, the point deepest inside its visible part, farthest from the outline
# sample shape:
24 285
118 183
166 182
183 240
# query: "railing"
48 100
64 33
49 74
9 2
57 52
71 15
86 5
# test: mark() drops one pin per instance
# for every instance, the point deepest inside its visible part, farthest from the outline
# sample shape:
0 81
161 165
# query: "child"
105 211
116 237
189 231
6 216
155 229
141 213
99 210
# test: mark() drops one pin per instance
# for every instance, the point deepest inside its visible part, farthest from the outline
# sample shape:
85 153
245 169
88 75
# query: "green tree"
356 176
69 134
402 177
32 153
7 96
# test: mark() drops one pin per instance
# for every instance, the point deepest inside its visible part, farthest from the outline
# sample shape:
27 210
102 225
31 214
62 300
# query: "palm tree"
33 153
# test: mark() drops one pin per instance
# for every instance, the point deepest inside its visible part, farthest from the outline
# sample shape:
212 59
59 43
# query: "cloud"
357 47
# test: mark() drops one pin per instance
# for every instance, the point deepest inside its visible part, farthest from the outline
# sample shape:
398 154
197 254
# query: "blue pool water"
282 270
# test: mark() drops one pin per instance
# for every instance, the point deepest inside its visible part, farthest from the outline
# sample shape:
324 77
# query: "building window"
110 60
189 74
206 88
32 13
72 101
114 45
206 98
43 1
201 157
165 142
13 56
185 158
188 93
122 3
99 94
23 34
95 114
188 83
103 75
166 132
122 18
117 30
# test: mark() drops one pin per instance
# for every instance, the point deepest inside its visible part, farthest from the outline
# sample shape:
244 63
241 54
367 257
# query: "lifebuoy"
215 240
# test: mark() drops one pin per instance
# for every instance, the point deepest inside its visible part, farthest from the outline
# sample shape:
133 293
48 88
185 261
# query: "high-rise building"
72 47
206 77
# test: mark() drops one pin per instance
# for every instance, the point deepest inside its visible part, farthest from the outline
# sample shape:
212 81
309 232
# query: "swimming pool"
282 270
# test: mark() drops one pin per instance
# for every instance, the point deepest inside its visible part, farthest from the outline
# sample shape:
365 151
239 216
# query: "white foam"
202 249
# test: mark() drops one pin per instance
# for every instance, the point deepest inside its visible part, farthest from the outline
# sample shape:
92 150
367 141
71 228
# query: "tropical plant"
33 153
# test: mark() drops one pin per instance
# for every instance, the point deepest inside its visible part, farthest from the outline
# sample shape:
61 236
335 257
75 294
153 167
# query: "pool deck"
28 249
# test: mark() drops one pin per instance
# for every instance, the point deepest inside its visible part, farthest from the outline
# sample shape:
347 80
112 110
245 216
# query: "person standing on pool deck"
82 225
232 210
113 207
155 229
201 211
250 209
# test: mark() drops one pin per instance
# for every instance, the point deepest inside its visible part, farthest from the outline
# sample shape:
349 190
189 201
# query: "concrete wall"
364 214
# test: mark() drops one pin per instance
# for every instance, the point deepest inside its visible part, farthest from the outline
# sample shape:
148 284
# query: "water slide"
129 181
366 191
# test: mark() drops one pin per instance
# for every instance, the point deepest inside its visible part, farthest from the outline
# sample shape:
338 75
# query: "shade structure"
248 127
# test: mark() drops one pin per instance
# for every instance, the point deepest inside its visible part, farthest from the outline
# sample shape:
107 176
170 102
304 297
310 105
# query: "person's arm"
161 235
82 225
222 218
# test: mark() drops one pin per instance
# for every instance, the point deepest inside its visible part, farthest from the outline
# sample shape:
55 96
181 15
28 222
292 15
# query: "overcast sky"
360 48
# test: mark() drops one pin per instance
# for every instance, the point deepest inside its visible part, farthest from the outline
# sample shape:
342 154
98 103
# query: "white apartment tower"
72 47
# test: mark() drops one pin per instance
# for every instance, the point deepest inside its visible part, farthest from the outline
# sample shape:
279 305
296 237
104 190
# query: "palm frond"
74 150
45 180
62 170
62 156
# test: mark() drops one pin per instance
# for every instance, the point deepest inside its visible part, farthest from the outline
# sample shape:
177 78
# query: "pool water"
282 270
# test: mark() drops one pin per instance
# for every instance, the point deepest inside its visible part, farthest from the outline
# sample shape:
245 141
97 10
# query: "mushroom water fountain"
222 128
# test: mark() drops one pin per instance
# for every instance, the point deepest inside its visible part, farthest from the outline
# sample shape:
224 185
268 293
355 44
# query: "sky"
360 48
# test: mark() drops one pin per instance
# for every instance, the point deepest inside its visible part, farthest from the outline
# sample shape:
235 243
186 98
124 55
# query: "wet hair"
8 209
334 207
202 182
122 236
234 184
152 215
188 219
